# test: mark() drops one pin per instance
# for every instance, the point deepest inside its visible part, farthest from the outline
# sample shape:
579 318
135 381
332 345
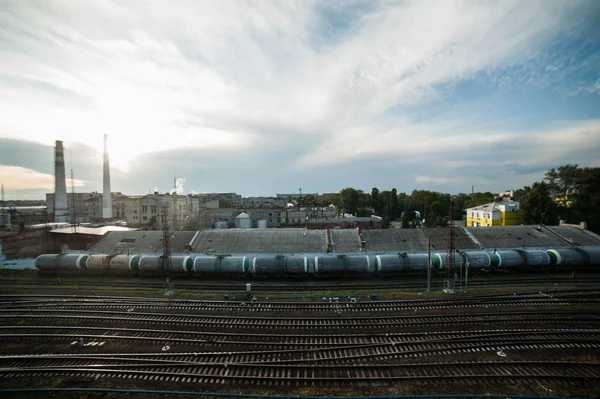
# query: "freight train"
323 264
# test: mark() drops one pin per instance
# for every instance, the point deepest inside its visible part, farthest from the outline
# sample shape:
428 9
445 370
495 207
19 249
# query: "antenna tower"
450 279
167 266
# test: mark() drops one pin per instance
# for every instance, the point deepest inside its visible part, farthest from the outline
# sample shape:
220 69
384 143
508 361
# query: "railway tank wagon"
328 265
296 265
152 264
478 260
61 262
118 263
577 256
205 264
233 264
270 265
342 264
390 264
506 259
593 255
401 263
439 261
536 258
566 257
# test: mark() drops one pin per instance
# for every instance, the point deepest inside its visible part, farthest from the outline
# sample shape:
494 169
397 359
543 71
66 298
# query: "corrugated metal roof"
95 231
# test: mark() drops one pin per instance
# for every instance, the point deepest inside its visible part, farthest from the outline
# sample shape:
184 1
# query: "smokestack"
106 195
61 206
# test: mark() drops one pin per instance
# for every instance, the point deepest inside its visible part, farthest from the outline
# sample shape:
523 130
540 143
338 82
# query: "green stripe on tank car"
83 261
245 265
495 259
189 264
135 262
553 258
436 261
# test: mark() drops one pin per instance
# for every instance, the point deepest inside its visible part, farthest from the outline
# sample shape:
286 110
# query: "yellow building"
494 214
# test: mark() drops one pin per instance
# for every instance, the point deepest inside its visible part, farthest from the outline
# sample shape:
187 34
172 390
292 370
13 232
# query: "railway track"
294 324
298 286
566 298
289 347
300 375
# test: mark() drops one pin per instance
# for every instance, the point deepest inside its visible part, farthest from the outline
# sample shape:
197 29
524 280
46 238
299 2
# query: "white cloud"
241 76
18 178
593 88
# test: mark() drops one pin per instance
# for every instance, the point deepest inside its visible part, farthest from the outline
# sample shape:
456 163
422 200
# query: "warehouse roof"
123 242
413 239
531 236
95 231
348 240
345 240
260 241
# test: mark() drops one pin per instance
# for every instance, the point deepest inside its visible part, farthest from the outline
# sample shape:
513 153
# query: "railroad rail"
295 323
71 302
265 287
301 375
293 349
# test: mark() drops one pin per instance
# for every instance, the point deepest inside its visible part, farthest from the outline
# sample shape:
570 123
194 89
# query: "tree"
480 199
349 200
586 200
375 199
537 205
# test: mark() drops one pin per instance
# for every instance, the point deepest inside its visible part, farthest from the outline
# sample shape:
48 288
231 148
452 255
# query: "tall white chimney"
61 205
106 195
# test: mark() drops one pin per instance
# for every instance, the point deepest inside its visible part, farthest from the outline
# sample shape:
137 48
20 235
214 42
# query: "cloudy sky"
268 96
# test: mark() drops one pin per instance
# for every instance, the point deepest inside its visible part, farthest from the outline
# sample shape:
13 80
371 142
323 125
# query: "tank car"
61 262
506 259
233 264
296 265
390 264
205 264
535 258
478 259
567 257
329 265
152 264
118 263
264 265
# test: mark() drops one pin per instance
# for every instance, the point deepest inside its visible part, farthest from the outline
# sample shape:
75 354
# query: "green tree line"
569 192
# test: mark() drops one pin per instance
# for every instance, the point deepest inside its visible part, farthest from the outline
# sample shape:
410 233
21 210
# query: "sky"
263 97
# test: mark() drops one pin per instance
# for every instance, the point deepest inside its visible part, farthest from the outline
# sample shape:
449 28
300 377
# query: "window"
135 211
144 208
153 208
145 218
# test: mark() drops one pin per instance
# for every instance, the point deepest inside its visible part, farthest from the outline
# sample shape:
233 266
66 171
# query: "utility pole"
467 276
450 280
428 265
167 266
73 215
300 201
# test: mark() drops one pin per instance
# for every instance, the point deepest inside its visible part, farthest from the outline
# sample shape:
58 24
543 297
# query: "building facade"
494 214
299 216
364 223
229 216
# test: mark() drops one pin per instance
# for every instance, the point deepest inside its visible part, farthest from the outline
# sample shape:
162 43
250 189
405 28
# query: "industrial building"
504 213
